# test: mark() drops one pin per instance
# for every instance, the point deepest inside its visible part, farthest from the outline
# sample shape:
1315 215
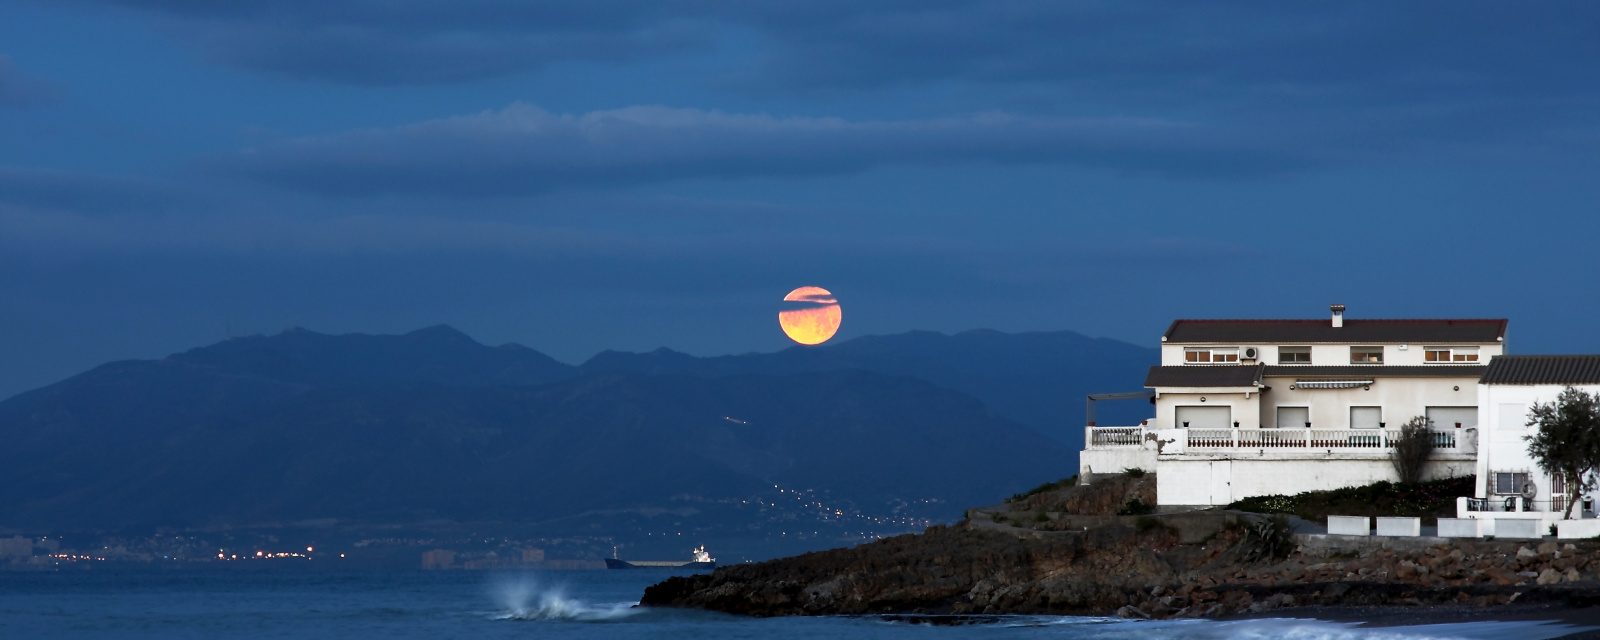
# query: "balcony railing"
1115 436
1514 504
1374 440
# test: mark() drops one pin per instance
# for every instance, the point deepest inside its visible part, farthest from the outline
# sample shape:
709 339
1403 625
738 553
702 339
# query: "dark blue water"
558 605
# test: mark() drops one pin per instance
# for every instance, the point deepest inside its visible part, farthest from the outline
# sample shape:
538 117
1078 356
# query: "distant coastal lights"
810 315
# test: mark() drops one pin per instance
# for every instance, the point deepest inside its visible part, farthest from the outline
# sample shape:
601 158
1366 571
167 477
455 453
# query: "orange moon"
811 317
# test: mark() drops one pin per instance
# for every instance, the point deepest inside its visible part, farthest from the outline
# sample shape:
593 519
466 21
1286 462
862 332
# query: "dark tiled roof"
1442 332
1380 371
1543 370
1226 375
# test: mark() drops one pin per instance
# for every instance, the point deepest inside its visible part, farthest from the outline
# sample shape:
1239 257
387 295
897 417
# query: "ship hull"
613 563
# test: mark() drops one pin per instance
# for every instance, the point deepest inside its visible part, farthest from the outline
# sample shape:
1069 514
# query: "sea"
222 603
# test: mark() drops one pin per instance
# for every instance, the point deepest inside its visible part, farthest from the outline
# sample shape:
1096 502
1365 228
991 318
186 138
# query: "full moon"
810 315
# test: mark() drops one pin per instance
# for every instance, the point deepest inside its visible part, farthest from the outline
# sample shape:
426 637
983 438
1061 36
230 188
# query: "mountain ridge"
433 426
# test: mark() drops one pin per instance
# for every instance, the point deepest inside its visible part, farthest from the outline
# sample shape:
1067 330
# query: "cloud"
523 150
1113 52
408 43
1358 77
20 90
90 193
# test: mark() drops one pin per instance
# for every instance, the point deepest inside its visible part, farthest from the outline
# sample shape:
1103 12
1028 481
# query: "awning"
1331 384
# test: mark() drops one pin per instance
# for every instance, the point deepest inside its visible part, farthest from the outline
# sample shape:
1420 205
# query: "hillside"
1036 379
233 436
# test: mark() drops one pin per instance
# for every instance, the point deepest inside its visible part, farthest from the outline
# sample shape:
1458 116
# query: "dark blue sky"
619 174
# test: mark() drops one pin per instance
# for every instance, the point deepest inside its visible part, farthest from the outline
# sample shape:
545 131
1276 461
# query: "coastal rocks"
1130 611
1061 551
1107 496
1135 567
951 570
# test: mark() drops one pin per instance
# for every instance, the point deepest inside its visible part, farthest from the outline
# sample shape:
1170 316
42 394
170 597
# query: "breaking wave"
526 599
1093 628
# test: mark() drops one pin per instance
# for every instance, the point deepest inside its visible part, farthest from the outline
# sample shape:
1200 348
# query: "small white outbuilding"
1509 389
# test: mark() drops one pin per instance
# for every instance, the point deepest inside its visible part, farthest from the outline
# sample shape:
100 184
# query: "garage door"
1205 417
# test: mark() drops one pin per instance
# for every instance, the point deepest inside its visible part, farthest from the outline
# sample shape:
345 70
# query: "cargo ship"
701 561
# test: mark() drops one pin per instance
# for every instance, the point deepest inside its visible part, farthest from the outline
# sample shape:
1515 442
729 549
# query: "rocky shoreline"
1202 564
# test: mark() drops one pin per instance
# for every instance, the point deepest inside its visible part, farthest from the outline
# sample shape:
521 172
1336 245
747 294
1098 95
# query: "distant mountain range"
1036 379
432 425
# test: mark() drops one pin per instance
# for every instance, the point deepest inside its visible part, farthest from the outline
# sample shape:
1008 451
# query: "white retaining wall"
1519 528
1410 527
1571 529
1459 528
1115 460
1349 526
1221 480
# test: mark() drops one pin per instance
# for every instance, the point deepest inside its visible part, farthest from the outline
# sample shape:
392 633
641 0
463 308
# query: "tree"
1568 440
1412 449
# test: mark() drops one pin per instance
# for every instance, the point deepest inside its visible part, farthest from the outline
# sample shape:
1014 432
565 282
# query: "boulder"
1132 612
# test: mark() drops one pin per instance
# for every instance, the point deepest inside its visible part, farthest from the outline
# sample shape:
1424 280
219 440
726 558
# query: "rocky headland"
1063 550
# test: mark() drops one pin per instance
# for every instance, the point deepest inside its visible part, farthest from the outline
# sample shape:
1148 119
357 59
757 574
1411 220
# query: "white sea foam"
524 598
1297 629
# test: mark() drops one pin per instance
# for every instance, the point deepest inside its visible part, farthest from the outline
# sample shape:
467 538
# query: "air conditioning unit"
1249 353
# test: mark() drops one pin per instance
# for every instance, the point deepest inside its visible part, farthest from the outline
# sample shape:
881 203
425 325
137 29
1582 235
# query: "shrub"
1041 517
1136 507
1048 486
1135 472
1412 449
1427 500
1269 538
1146 523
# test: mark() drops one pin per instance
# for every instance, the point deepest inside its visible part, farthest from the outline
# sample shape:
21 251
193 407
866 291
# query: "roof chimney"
1338 315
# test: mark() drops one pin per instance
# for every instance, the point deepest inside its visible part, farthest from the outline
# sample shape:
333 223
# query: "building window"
1450 354
1294 355
1207 417
1443 418
1510 483
1366 417
1210 355
1294 417
1366 355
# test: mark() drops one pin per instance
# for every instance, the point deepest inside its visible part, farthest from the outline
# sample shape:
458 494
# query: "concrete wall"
1399 527
1349 526
1458 528
1199 480
1115 460
1577 529
1525 529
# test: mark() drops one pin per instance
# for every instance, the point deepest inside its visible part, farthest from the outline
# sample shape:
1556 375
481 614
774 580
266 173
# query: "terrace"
1172 441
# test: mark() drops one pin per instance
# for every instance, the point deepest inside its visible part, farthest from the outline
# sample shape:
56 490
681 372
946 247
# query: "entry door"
1205 417
1453 417
1366 417
1222 482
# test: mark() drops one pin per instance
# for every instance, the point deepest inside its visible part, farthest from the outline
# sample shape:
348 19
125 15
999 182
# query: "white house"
1510 483
1257 407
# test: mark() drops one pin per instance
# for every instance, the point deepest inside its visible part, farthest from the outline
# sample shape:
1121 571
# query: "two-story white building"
1510 483
1257 407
